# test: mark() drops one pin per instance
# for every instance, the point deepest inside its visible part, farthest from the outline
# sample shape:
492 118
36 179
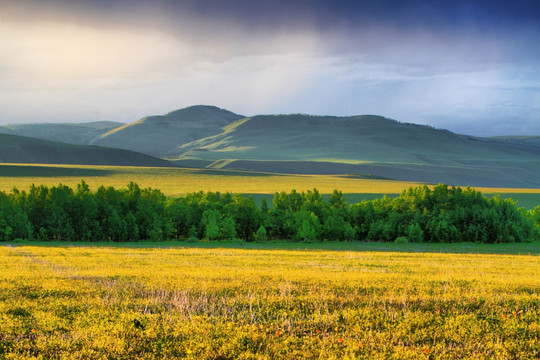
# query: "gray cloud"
467 66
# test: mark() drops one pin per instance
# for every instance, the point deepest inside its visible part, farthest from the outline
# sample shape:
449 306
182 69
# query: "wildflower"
361 344
278 333
261 327
426 351
340 340
336 328
33 330
188 351
318 331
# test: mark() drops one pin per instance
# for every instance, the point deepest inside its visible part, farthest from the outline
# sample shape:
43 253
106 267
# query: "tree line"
420 214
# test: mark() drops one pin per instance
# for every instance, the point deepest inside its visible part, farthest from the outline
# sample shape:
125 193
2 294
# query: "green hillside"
20 149
78 133
365 145
156 135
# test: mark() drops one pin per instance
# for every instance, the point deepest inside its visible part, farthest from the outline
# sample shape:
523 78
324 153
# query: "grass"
177 181
267 301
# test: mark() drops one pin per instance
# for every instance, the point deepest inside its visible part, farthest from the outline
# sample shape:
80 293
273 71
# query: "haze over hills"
368 145
79 133
156 135
20 149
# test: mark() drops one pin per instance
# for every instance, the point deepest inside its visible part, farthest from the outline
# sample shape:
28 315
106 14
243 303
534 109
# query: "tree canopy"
420 214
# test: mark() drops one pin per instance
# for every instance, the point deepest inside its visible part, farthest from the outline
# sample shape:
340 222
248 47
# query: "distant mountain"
157 135
365 145
20 149
78 133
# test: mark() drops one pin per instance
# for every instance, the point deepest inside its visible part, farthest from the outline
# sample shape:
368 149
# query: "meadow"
270 301
180 181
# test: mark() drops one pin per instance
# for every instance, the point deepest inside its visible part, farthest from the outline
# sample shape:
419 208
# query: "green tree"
264 206
246 216
415 233
308 226
211 219
227 228
261 234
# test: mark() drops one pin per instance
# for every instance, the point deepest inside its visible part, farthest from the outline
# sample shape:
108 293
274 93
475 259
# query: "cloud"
469 66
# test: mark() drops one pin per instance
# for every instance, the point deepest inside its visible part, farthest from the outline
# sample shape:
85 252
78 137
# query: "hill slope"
156 135
20 149
81 133
365 145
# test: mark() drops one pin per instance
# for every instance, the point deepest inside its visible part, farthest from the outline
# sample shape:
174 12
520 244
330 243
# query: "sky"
472 67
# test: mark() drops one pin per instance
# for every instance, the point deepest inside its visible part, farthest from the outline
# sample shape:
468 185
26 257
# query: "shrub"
401 240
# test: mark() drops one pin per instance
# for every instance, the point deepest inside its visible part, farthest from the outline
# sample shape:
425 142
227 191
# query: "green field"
178 181
270 301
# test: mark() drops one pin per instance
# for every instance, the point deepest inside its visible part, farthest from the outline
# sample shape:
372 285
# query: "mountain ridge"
155 135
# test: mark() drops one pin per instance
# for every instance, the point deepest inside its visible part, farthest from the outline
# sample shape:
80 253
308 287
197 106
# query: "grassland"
176 181
270 302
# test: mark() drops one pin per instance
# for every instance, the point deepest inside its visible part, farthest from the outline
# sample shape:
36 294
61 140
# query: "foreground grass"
268 301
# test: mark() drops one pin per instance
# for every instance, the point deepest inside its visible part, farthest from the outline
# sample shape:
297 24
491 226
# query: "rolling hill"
157 135
81 133
365 145
20 149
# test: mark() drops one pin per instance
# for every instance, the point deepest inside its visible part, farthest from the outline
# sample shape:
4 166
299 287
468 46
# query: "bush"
401 240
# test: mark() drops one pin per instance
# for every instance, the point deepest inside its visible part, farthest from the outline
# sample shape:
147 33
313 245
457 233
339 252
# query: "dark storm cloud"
483 15
485 29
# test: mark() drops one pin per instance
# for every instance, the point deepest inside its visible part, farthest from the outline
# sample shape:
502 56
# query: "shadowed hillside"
365 145
156 135
525 143
19 149
82 133
5 130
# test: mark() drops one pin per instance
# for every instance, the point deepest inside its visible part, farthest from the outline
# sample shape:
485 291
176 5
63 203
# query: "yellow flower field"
82 302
